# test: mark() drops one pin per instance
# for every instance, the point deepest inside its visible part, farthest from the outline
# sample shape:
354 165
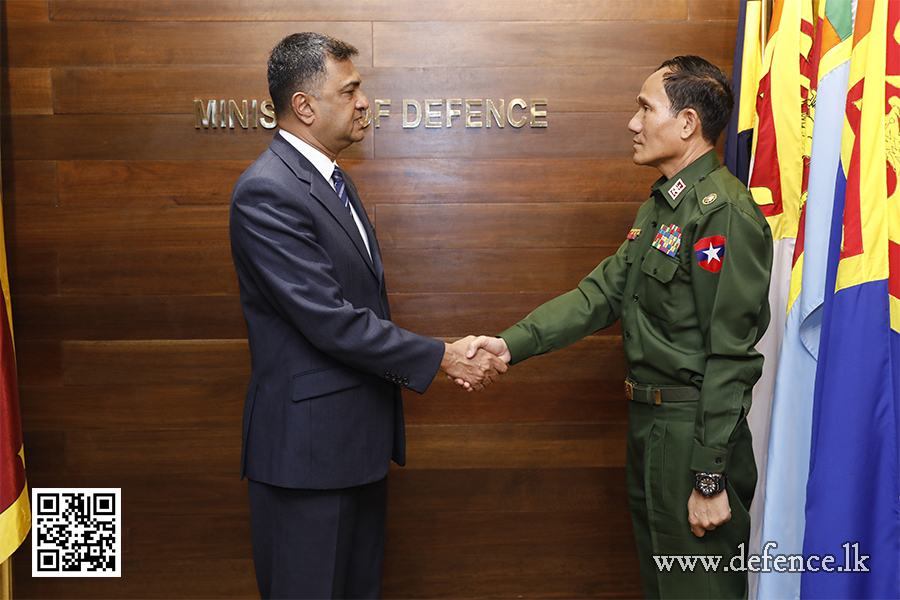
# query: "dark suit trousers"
318 543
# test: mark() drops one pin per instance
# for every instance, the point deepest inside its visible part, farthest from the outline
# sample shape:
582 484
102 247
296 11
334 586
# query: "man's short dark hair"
297 64
693 82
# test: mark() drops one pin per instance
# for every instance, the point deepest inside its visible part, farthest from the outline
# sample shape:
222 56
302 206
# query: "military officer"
690 284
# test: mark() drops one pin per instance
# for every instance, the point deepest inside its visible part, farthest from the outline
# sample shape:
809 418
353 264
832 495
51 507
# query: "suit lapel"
322 192
355 200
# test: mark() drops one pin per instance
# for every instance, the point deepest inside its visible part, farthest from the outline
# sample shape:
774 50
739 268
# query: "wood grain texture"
151 579
458 271
154 362
97 44
128 317
117 407
503 225
30 92
515 446
173 90
29 182
485 44
152 137
26 10
109 229
32 272
612 574
366 10
506 490
146 272
148 182
486 180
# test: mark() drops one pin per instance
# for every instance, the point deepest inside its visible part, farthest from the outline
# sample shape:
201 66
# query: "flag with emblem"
787 466
780 153
15 516
744 81
853 492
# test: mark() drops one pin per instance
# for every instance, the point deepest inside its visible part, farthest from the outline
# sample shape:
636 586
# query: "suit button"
406 381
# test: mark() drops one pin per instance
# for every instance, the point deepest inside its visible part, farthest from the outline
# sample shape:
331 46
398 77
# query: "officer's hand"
705 514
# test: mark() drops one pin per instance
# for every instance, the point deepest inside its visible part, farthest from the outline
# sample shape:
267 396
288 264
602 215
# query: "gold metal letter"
407 124
512 103
211 118
430 115
535 113
254 110
268 110
241 116
490 109
473 114
452 112
381 113
223 114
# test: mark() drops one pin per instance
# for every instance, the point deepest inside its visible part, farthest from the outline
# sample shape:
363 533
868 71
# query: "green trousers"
660 481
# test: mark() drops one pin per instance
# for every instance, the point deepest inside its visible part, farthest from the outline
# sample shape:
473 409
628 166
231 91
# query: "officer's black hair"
693 82
297 64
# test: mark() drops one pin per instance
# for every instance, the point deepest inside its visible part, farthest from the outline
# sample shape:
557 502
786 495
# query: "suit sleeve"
279 252
733 307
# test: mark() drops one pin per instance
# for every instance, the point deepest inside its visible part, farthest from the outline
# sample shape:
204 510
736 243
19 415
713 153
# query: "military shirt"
690 284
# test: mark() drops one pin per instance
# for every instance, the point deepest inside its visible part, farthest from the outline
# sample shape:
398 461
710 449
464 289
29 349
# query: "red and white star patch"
710 253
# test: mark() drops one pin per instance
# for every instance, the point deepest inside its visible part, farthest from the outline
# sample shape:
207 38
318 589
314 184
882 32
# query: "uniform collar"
674 189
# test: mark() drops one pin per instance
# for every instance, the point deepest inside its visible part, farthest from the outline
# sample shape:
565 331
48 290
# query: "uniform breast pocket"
659 290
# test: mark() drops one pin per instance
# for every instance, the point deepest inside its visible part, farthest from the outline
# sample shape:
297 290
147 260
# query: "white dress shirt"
326 167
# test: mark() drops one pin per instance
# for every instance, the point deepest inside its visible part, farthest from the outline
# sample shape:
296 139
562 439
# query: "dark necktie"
339 188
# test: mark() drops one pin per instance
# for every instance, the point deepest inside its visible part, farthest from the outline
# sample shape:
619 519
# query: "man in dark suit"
323 416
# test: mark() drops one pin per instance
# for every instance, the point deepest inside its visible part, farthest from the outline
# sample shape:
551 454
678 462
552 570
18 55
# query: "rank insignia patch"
632 235
710 253
676 189
709 199
668 239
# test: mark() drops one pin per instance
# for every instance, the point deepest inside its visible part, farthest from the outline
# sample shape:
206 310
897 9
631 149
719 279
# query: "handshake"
475 362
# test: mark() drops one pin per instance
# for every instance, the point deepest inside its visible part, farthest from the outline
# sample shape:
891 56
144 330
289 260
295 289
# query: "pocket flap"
659 266
321 382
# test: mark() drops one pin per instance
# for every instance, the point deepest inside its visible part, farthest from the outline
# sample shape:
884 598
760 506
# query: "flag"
744 81
15 516
787 466
781 147
853 492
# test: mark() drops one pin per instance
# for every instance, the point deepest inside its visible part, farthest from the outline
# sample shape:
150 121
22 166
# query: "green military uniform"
691 287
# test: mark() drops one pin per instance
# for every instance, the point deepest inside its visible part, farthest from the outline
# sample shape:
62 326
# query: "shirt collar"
674 189
322 163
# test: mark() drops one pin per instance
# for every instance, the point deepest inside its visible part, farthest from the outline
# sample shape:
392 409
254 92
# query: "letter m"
210 117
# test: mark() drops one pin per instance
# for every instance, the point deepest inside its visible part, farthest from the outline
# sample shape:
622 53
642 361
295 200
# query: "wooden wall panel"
367 10
587 43
132 352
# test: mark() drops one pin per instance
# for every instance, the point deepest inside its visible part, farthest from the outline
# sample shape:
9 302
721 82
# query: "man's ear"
691 123
302 109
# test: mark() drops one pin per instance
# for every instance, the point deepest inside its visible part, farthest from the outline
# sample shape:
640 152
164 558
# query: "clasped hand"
474 363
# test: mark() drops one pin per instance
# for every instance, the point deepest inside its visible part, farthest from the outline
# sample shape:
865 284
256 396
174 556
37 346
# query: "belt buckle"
629 390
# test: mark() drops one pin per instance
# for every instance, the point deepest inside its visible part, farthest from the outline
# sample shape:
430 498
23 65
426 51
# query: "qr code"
76 532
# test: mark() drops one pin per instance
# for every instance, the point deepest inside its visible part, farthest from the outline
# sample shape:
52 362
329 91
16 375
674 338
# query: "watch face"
707 485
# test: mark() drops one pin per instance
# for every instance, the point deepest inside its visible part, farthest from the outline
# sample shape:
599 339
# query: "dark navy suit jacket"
323 408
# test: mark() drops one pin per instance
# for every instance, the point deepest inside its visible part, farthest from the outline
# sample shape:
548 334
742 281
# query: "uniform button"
642 259
635 297
627 334
655 271
653 224
718 460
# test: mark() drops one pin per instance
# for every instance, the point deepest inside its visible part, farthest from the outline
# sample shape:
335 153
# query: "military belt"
658 395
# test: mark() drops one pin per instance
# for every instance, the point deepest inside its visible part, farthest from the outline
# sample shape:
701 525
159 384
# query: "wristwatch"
709 484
